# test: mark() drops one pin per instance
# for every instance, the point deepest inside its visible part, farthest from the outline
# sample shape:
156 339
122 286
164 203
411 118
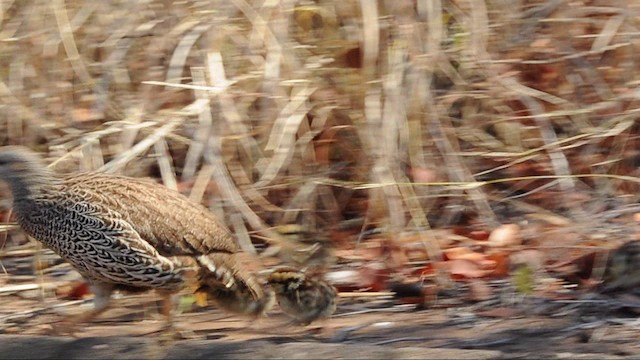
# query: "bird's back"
98 241
121 230
126 233
166 219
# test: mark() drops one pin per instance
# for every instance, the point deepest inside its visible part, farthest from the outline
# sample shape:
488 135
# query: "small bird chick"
239 300
302 297
622 271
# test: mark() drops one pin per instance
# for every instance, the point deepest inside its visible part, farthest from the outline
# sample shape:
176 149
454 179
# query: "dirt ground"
362 328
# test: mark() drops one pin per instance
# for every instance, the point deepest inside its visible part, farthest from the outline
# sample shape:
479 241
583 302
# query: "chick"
302 297
240 300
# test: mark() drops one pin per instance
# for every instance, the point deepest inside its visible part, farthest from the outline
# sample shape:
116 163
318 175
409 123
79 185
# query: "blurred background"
426 143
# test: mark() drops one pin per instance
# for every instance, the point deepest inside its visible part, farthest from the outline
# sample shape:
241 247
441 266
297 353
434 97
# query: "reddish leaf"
464 269
78 291
501 260
478 235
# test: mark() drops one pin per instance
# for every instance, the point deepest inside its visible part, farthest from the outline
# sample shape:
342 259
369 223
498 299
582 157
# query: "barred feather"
302 297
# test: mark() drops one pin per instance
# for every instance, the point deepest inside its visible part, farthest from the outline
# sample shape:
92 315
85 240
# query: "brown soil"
369 329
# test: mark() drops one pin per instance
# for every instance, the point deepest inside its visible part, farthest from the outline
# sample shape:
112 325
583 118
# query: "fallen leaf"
580 267
478 235
505 235
76 292
423 175
458 253
461 269
502 263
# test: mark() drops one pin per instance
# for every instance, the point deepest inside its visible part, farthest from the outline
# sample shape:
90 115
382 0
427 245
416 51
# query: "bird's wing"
100 244
164 218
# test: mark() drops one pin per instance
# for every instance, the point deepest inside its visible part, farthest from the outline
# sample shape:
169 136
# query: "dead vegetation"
392 138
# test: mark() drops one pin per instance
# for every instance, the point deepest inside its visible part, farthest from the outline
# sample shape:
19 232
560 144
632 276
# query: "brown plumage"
303 297
124 233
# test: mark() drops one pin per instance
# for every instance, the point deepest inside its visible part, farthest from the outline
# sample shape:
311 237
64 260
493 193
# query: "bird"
126 234
304 298
239 299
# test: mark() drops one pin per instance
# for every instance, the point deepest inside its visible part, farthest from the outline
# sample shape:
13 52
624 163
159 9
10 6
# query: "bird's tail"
224 279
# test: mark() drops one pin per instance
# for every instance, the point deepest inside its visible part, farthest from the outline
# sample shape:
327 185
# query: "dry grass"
333 115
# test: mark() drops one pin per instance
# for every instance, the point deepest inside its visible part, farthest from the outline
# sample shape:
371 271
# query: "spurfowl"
130 234
305 298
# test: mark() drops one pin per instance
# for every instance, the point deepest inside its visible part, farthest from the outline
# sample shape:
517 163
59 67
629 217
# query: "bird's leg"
101 301
166 309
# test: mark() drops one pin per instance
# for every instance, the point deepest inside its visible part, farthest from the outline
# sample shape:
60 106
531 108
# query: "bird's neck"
33 185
